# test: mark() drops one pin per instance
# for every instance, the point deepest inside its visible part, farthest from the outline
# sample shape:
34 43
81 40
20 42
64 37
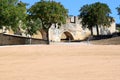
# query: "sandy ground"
109 41
60 62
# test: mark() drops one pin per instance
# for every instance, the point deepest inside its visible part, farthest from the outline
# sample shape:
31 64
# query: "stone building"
72 30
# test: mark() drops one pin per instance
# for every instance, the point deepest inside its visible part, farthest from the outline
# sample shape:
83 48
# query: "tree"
12 12
96 14
32 26
118 9
20 15
49 12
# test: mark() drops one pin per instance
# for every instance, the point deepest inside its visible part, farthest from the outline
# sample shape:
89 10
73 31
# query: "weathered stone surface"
74 31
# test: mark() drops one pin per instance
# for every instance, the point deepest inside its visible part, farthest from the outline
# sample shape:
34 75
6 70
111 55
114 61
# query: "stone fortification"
73 30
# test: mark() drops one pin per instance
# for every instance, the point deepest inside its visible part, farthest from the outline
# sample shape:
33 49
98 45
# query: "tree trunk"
45 35
91 31
97 30
45 32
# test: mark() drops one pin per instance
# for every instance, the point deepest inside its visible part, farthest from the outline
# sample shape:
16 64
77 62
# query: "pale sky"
74 5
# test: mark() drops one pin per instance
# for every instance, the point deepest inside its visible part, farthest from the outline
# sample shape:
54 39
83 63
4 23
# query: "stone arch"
66 35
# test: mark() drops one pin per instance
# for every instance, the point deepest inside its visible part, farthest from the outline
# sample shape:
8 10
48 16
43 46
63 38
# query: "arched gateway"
67 36
73 30
67 32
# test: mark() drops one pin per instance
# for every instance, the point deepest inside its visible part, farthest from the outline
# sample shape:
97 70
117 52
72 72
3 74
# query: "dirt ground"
109 41
60 62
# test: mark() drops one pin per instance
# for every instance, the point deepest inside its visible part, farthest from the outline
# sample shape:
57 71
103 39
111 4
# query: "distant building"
72 30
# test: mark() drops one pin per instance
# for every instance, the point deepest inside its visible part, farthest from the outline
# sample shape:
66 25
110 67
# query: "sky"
74 6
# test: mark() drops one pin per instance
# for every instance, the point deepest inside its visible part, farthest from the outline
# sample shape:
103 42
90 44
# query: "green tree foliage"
96 14
118 9
49 12
32 26
11 13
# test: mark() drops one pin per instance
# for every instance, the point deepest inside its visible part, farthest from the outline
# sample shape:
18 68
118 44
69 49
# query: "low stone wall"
6 39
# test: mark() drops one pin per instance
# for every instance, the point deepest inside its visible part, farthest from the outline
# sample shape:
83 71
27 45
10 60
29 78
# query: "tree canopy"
118 9
32 26
11 12
96 14
49 12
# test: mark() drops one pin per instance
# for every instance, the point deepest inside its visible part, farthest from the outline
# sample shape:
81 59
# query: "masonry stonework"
73 30
6 39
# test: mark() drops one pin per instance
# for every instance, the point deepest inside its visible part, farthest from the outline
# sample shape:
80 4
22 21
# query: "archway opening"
66 37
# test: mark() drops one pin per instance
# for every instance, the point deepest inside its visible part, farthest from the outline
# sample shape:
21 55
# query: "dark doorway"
66 37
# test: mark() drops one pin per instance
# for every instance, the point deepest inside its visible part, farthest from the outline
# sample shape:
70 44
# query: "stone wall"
75 28
6 39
